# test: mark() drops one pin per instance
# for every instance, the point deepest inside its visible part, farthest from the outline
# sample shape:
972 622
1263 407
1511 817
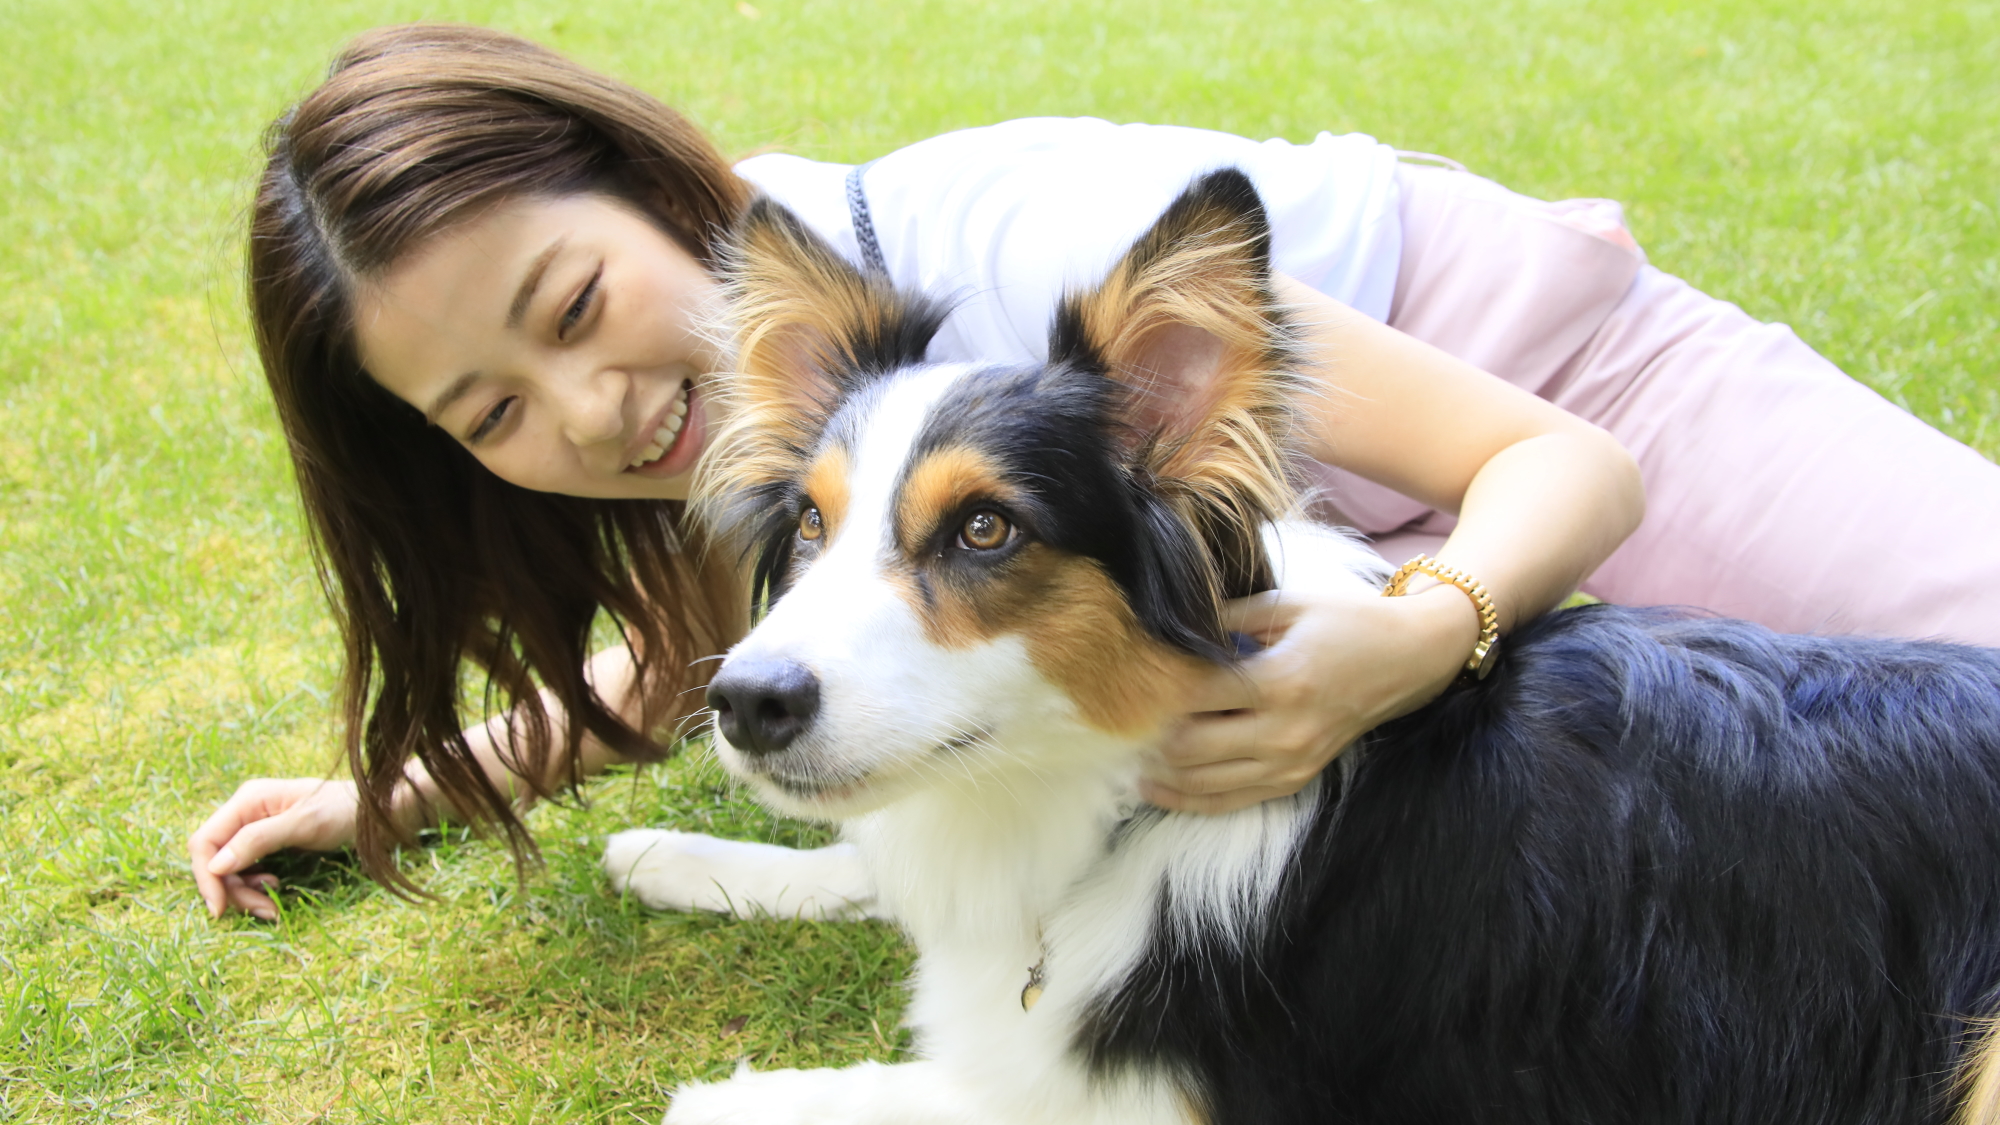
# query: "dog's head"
963 562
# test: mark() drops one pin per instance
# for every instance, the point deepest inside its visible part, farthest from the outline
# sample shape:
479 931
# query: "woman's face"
555 339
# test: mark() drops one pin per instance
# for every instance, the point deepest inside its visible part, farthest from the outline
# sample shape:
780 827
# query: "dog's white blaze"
882 448
890 700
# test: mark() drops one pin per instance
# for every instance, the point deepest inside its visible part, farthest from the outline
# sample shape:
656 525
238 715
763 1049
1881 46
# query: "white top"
1007 217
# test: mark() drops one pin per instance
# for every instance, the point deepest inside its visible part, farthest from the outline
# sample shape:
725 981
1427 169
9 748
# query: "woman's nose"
593 407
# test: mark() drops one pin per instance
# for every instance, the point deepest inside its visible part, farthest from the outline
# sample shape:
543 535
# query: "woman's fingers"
1211 778
286 821
251 843
1173 800
1262 617
1282 716
1331 666
212 838
1210 753
1207 737
249 894
208 886
1221 691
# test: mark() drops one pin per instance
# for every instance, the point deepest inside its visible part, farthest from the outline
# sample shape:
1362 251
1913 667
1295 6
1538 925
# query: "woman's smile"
675 428
556 339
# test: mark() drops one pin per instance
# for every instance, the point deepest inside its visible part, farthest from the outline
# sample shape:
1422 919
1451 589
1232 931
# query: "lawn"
162 638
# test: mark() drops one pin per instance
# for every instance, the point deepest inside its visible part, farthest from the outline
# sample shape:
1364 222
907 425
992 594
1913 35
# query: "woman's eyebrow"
526 292
451 394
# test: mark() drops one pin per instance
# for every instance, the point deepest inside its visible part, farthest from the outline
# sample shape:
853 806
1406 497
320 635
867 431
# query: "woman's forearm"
1541 515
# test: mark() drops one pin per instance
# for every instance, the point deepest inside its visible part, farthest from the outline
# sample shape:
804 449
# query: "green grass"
1835 166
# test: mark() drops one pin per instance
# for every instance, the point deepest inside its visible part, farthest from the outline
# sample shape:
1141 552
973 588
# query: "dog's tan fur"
1083 636
1978 1078
825 484
941 486
1080 632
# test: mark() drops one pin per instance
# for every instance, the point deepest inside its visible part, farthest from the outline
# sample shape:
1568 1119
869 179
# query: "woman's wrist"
1485 647
1448 624
414 804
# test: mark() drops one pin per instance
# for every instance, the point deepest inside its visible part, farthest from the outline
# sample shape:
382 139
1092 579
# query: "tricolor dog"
1655 868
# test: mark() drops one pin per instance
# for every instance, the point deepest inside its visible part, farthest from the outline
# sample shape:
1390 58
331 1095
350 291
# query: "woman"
477 274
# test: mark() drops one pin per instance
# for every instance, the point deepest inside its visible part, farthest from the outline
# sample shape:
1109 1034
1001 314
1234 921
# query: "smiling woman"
473 271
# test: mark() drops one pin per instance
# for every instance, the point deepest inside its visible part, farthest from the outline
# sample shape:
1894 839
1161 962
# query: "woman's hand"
319 815
265 815
1334 666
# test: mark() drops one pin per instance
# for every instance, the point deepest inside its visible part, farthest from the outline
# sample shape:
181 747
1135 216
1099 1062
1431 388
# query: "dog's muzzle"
761 706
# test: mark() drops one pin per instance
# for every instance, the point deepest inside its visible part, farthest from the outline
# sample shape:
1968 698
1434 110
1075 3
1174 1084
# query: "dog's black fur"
1654 869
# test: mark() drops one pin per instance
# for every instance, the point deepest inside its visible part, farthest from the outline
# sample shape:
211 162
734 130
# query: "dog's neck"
988 856
1055 879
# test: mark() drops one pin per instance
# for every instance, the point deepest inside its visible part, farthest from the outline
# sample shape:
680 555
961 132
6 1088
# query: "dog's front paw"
781 1097
669 870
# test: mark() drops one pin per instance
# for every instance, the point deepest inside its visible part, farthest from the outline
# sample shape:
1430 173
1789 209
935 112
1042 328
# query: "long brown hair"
429 559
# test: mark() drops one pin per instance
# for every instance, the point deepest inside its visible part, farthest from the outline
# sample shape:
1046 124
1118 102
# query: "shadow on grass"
320 879
334 880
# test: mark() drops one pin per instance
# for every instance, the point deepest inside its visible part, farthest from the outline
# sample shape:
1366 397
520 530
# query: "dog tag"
1032 991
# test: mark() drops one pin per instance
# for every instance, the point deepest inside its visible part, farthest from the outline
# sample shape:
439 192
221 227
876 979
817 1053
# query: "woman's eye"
985 531
810 527
577 309
492 420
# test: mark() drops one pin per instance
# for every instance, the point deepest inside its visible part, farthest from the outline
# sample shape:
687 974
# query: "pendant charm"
1032 991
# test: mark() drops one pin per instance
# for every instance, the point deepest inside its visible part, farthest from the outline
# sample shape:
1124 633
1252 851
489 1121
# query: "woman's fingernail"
224 862
266 913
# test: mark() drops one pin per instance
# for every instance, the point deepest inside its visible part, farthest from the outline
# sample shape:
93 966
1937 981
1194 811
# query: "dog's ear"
1189 328
807 325
1204 369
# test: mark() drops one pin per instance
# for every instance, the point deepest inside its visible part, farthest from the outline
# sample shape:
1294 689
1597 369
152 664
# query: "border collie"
1655 868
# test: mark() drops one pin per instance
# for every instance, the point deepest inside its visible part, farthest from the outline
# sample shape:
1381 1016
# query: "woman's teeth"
665 437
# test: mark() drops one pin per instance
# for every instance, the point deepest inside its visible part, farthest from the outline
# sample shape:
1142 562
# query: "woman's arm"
267 814
1542 498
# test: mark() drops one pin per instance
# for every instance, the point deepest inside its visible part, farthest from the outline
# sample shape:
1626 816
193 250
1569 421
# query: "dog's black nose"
762 705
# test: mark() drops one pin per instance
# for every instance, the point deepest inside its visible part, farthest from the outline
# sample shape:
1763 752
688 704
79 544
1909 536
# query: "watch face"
1487 660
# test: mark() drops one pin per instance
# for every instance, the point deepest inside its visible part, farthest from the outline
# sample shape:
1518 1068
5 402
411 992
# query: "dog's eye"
985 531
809 524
